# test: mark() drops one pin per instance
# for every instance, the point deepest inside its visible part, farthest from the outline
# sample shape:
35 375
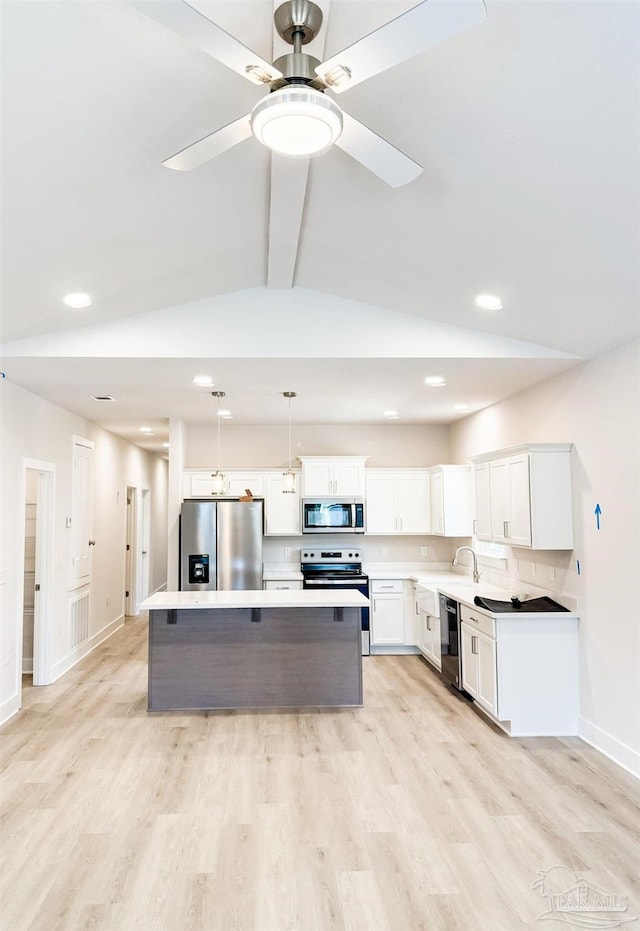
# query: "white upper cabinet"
198 483
397 501
340 476
450 492
523 496
282 511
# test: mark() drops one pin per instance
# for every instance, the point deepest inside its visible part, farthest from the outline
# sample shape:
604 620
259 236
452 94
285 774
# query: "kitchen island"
254 650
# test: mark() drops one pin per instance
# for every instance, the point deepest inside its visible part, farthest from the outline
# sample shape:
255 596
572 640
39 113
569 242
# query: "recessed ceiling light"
77 300
392 415
461 407
147 430
224 413
435 381
203 381
489 302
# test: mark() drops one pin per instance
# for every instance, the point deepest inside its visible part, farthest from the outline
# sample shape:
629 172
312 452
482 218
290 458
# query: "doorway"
37 548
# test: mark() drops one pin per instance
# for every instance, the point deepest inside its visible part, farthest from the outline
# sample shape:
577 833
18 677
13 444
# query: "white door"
146 543
82 540
39 484
131 552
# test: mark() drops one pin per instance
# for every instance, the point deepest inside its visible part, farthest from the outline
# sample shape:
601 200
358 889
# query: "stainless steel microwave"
333 515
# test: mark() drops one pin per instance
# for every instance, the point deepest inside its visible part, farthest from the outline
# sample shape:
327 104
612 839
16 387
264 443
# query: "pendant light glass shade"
219 479
289 484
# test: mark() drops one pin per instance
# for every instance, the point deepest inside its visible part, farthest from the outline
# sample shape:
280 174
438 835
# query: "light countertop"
164 601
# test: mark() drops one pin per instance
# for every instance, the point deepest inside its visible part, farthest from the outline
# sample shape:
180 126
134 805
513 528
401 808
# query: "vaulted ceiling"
526 127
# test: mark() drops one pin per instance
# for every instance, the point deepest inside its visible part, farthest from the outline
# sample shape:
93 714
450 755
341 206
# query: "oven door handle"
335 583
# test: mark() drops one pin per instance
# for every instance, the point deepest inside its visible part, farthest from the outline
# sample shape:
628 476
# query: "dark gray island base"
285 656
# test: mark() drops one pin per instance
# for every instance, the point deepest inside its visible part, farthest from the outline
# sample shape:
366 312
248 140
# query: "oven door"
359 585
332 515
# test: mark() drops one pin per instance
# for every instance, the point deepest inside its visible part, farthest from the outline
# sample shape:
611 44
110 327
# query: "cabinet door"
487 691
239 482
317 479
348 478
387 620
282 511
519 525
437 502
200 485
499 497
482 501
413 502
381 509
433 640
468 640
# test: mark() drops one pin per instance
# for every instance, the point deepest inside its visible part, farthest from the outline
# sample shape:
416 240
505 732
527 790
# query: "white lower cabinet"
283 585
522 670
479 667
387 613
391 620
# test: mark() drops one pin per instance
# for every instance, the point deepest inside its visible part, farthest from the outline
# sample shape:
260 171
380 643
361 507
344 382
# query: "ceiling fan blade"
420 28
376 154
183 19
209 146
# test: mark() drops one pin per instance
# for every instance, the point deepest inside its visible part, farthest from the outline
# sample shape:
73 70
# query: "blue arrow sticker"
598 512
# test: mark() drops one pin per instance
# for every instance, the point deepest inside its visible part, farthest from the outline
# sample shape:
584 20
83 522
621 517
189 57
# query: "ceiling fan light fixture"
297 121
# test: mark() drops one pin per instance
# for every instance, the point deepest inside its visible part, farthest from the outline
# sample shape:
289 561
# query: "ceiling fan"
296 118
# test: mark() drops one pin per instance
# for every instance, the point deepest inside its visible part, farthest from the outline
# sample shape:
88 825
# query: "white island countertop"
168 601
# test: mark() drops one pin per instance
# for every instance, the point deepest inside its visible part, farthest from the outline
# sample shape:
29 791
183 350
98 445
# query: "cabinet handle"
417 612
474 644
428 622
400 523
474 526
386 586
505 527
474 619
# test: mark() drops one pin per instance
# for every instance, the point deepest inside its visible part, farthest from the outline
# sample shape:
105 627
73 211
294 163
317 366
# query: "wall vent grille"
79 620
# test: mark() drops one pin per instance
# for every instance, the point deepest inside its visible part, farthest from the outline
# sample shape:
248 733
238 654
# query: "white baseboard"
8 708
613 748
69 661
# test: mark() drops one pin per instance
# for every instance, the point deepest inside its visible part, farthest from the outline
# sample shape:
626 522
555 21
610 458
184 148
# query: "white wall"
386 445
37 430
596 407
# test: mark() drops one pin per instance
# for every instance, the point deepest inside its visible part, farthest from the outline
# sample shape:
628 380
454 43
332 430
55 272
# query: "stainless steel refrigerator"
221 545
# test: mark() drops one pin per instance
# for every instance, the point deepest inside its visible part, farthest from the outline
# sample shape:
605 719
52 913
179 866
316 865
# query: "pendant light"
219 478
289 486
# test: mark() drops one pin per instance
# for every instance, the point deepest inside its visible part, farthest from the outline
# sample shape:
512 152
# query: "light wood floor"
412 813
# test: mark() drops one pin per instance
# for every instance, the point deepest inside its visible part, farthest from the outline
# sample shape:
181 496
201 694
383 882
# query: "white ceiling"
527 128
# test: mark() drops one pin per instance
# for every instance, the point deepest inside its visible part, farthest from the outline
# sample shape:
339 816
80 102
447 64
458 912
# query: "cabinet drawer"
286 585
480 621
386 586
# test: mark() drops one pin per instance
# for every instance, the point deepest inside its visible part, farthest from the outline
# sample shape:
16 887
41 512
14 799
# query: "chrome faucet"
454 561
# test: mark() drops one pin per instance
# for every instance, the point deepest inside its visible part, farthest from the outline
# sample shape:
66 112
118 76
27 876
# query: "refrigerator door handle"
256 616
